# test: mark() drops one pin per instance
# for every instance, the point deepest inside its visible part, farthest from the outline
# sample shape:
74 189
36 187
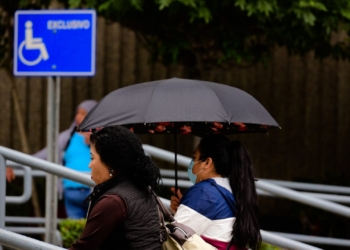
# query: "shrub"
70 230
265 246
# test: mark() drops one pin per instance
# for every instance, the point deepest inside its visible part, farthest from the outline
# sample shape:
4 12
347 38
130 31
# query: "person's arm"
104 217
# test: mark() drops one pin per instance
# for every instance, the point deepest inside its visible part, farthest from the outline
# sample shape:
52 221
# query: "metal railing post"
2 192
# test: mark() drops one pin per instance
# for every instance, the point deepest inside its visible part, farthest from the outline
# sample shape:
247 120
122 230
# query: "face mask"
191 175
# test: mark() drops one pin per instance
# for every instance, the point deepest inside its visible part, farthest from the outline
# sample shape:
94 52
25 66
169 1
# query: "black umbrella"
180 106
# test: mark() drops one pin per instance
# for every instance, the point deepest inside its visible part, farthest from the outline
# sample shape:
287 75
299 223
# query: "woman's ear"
208 162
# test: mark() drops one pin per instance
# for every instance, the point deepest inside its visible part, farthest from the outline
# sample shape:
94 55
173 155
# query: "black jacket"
140 229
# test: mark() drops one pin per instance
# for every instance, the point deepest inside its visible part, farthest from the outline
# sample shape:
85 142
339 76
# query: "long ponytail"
231 159
246 230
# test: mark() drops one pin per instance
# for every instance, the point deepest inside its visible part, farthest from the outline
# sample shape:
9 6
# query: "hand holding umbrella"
175 199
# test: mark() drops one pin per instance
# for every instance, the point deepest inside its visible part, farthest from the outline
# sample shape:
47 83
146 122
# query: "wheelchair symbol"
31 43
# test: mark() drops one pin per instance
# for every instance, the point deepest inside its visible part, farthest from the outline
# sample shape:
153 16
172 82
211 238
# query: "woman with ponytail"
122 212
222 206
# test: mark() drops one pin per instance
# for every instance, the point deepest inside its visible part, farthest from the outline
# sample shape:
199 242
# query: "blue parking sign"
55 43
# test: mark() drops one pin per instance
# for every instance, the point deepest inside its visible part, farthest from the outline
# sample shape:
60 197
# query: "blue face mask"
191 175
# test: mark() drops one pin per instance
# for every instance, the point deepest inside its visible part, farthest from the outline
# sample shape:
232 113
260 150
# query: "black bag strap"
162 228
162 212
165 212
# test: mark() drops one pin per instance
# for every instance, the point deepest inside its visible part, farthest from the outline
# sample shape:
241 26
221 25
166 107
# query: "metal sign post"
54 43
53 109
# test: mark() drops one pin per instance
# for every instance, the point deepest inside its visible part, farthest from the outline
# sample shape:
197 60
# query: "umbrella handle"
175 160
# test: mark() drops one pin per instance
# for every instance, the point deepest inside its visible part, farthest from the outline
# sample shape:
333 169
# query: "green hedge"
71 230
265 246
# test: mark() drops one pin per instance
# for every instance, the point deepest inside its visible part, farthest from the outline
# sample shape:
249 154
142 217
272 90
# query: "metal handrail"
26 220
337 198
330 197
45 166
18 241
35 163
284 242
182 174
302 198
315 239
268 187
36 230
310 186
187 184
288 184
82 178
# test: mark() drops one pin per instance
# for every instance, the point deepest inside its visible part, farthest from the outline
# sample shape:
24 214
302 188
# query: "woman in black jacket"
123 213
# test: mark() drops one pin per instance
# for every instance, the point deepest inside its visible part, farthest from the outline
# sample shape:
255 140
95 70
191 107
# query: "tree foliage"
209 33
238 31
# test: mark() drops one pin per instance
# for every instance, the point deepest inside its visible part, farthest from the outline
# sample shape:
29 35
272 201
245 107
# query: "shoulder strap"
162 212
162 228
165 212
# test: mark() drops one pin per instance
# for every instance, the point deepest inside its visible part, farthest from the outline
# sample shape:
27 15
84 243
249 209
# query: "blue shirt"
77 157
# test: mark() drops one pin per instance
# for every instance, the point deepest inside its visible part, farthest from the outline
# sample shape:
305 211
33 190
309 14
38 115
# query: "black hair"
232 159
121 150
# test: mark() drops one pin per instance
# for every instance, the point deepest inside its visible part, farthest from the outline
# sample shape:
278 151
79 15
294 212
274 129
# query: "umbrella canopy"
182 106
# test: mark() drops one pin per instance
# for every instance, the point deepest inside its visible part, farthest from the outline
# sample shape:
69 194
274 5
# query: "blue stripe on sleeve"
207 200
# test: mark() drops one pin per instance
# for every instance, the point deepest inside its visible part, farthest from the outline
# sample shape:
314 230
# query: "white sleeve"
193 219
